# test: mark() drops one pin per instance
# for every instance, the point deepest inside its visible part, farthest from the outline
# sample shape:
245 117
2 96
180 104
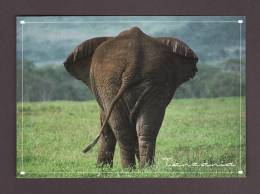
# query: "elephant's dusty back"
117 55
107 66
133 55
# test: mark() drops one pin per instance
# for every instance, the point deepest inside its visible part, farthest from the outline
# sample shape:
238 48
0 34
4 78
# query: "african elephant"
133 77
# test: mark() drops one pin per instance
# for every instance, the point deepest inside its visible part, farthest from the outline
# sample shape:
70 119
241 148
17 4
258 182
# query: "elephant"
133 78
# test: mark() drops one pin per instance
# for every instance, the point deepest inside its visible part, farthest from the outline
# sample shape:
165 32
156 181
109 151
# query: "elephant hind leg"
148 123
107 145
125 134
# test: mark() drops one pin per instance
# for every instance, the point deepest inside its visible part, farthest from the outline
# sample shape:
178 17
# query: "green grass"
194 132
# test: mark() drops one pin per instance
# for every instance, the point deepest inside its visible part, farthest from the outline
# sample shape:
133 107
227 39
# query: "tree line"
52 82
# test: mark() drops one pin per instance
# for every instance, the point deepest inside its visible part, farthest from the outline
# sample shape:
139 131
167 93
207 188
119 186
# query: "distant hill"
214 42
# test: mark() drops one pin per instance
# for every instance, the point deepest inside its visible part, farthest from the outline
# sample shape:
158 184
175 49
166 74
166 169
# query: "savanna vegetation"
198 138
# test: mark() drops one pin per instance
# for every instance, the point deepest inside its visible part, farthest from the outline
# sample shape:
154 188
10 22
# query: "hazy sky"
48 40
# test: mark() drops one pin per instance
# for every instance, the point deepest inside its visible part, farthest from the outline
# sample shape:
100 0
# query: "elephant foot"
147 152
105 159
128 159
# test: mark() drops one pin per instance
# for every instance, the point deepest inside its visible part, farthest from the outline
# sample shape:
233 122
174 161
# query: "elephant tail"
138 103
117 97
90 146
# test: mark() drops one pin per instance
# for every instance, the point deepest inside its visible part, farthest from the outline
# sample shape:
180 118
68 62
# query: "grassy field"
198 138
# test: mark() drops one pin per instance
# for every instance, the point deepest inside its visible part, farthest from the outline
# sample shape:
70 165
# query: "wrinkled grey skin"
133 77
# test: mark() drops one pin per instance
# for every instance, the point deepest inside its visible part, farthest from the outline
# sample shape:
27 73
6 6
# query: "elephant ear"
178 47
79 60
